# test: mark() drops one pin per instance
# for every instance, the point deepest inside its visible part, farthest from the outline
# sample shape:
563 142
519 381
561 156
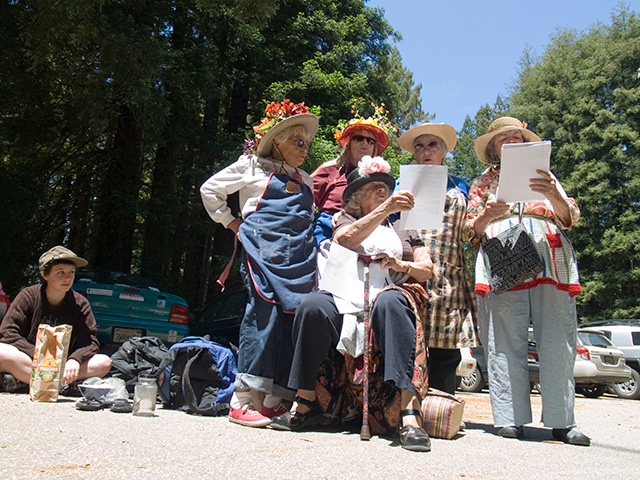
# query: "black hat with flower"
369 170
279 116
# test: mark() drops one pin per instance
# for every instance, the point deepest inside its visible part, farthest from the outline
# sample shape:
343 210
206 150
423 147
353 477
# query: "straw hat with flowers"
279 116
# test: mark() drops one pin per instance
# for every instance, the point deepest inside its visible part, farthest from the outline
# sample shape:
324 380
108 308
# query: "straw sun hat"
446 132
502 124
280 116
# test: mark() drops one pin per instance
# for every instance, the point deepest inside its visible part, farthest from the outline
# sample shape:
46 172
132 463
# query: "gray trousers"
503 322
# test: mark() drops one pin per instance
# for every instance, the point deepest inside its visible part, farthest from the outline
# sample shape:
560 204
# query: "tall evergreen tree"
583 94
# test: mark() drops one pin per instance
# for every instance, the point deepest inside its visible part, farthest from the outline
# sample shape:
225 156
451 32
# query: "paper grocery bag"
49 358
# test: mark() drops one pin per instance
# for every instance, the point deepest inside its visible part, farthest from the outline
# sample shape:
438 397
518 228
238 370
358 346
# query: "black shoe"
8 383
511 431
414 438
572 436
292 421
71 390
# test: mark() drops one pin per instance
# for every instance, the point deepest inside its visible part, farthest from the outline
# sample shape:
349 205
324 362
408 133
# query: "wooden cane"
364 431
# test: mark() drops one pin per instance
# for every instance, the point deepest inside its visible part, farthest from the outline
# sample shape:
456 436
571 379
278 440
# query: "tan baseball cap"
60 253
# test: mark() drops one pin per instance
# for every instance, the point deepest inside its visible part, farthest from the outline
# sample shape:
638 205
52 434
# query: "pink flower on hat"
369 165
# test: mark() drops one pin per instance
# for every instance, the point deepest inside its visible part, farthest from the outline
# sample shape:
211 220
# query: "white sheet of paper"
518 164
340 276
428 183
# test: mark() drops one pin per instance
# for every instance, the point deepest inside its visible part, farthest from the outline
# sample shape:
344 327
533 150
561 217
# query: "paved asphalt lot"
51 441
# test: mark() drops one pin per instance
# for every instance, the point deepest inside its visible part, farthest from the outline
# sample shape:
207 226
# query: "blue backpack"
198 376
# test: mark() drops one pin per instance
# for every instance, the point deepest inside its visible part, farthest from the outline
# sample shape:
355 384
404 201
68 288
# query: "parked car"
4 302
127 305
221 316
467 365
476 380
598 365
625 335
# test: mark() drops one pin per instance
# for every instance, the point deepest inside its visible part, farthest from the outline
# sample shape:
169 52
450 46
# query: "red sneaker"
248 416
279 409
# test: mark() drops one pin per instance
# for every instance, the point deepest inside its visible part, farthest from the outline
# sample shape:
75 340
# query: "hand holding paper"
428 183
518 165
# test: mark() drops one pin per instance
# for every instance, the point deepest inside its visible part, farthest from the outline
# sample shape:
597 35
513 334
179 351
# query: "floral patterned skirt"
339 385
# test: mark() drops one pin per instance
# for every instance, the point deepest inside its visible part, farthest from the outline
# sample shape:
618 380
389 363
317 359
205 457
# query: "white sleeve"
214 192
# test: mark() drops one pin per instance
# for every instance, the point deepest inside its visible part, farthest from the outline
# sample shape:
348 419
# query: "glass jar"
144 397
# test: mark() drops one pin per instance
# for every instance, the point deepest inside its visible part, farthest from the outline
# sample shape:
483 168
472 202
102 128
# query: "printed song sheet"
518 164
428 183
341 276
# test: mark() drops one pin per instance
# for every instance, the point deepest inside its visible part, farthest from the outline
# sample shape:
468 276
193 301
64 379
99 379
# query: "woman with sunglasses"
278 262
361 136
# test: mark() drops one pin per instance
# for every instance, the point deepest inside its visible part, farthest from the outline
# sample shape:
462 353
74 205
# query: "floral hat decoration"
279 116
370 169
500 125
378 124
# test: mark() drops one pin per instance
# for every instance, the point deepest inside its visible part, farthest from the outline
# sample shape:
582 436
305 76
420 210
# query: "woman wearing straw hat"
396 314
360 137
451 311
279 253
546 300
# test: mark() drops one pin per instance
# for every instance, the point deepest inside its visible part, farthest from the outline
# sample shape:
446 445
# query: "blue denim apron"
279 243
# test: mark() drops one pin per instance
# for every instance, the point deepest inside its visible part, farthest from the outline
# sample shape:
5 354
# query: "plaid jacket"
451 312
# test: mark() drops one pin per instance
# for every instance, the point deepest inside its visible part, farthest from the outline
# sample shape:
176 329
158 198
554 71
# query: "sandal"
292 421
121 405
413 438
90 405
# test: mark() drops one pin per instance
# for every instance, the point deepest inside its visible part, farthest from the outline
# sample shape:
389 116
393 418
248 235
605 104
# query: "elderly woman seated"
364 228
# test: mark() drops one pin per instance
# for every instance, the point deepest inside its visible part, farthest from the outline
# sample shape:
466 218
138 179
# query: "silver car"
598 364
625 334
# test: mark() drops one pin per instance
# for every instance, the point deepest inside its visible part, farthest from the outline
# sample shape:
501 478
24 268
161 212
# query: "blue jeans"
503 321
266 347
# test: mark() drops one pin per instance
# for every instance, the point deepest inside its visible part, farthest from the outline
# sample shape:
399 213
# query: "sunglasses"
419 147
300 143
362 138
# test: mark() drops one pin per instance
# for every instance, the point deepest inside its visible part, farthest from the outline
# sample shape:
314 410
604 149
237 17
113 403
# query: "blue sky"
465 52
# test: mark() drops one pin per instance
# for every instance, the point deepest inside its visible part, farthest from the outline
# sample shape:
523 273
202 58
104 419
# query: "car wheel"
472 383
591 391
630 389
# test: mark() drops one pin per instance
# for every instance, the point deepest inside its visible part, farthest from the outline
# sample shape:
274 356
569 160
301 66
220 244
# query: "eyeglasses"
300 143
419 147
362 138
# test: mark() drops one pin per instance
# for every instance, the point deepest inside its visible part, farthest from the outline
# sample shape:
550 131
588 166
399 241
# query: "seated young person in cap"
54 303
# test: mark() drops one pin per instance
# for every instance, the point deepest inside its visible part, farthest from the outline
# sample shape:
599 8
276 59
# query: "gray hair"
491 154
297 130
354 205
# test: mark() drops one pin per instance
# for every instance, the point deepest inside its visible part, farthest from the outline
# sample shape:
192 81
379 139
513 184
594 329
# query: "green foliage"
583 94
115 112
463 162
